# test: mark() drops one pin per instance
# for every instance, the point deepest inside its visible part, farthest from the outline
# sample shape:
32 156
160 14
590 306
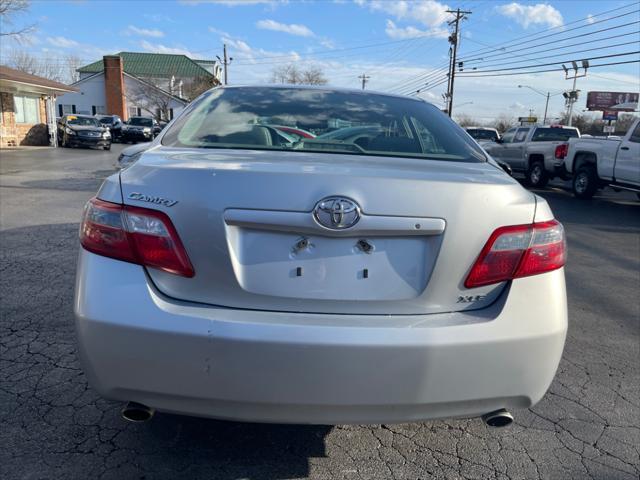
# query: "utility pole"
546 105
546 108
453 40
571 97
365 79
225 61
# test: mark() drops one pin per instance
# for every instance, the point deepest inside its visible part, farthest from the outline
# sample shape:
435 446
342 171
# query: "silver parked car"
237 273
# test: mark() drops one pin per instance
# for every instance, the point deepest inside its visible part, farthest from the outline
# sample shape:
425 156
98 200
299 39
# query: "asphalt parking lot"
52 425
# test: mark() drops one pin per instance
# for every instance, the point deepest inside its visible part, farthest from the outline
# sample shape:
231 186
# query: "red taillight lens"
132 234
519 251
561 151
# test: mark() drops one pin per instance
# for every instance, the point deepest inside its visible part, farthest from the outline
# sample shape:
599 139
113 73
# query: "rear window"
140 121
325 121
554 134
482 134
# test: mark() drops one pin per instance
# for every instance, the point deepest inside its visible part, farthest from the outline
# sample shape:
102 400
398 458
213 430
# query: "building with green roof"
140 83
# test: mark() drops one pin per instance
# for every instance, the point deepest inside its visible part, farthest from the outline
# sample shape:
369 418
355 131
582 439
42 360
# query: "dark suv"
140 129
114 123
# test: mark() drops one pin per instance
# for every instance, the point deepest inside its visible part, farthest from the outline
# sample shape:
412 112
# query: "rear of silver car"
310 286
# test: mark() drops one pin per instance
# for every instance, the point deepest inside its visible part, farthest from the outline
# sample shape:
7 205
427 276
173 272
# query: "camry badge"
141 197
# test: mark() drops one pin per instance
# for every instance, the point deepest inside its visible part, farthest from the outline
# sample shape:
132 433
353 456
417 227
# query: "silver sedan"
236 272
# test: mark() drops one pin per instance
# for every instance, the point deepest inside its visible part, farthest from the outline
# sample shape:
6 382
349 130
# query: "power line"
547 70
493 47
527 59
553 63
553 42
561 47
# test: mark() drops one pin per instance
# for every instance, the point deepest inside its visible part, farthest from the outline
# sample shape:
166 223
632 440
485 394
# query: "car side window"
520 135
635 136
508 135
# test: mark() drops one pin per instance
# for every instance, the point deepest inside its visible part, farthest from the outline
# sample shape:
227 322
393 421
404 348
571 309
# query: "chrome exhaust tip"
136 412
498 418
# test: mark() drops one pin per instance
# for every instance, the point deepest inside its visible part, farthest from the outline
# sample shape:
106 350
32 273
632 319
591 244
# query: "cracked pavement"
52 425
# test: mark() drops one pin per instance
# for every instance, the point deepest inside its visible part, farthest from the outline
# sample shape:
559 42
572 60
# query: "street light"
546 105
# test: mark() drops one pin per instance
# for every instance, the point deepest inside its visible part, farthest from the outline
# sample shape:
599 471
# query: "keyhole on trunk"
364 246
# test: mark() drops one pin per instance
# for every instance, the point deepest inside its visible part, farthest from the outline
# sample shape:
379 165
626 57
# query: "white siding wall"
91 93
132 85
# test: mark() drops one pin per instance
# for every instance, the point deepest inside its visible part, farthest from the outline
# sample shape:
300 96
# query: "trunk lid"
246 220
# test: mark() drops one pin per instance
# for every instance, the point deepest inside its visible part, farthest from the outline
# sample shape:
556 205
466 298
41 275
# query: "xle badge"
470 298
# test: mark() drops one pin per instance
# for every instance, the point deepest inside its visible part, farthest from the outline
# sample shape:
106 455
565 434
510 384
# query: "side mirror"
498 140
505 166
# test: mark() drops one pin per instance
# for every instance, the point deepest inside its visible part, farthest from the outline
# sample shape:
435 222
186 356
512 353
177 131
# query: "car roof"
79 115
326 88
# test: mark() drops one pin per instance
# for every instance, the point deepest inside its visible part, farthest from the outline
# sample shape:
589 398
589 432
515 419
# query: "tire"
585 182
107 147
536 175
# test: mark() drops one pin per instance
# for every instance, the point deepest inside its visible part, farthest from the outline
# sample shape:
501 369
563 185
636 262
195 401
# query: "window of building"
66 110
98 110
27 110
135 111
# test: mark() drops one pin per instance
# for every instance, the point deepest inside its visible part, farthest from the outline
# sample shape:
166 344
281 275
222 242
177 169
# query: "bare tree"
197 86
504 122
292 74
8 10
313 76
466 121
71 64
60 69
153 100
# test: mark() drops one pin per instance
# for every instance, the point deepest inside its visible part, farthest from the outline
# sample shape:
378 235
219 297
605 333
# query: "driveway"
52 425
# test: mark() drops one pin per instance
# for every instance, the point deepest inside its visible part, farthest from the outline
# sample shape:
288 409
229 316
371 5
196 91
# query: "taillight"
132 234
519 251
561 151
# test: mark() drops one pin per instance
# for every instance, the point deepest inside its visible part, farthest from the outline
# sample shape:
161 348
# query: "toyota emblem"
336 213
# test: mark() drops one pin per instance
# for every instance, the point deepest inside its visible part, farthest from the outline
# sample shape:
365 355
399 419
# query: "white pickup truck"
600 162
537 151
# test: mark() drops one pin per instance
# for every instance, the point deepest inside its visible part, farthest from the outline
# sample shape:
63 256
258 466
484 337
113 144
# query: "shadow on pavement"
42 381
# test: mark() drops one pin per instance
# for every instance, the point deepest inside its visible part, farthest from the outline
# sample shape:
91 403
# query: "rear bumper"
310 368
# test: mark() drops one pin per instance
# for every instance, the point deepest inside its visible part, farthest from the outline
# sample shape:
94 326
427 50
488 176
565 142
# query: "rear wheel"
107 147
585 182
537 175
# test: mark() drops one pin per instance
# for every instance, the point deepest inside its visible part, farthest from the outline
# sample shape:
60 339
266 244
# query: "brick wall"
13 134
114 88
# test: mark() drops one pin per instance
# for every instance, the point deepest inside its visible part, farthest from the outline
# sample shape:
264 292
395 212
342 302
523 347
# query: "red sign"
610 115
619 101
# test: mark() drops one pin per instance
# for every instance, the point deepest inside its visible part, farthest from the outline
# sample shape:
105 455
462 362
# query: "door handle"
624 148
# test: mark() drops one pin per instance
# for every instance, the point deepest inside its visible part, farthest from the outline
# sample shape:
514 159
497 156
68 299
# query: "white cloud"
159 48
62 42
242 52
291 28
590 19
144 32
219 32
427 13
393 31
527 15
233 3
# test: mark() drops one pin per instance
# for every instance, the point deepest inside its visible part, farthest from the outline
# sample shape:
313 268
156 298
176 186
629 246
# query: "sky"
401 46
